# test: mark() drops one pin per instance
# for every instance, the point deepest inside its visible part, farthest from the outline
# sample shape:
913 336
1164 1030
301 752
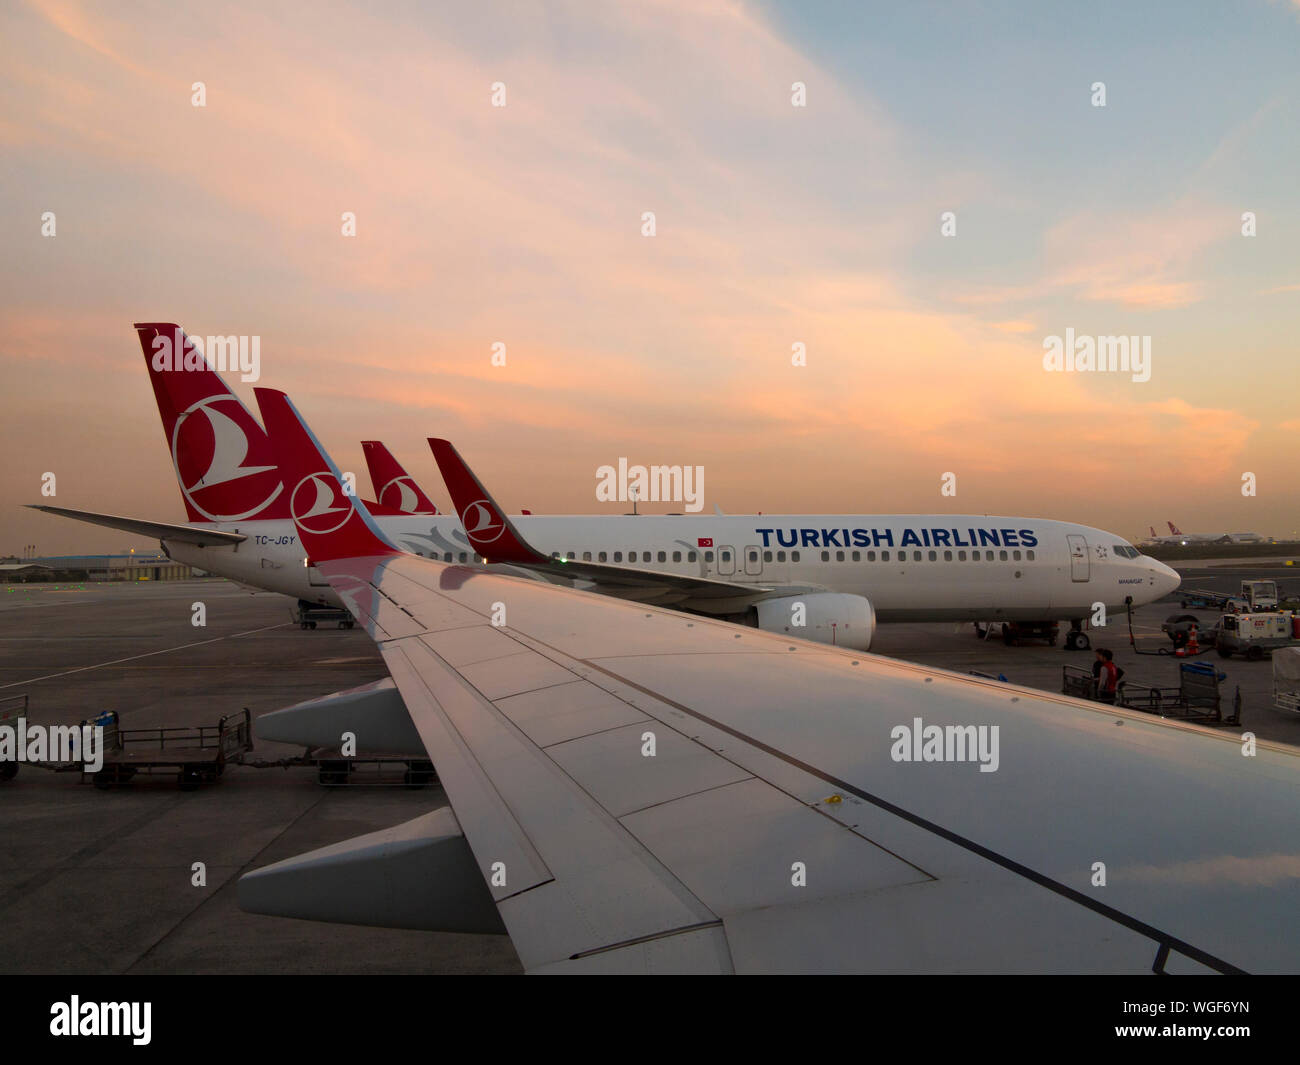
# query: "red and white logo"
319 505
704 541
209 451
482 523
400 494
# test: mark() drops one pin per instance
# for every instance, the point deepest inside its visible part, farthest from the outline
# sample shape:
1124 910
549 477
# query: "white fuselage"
911 567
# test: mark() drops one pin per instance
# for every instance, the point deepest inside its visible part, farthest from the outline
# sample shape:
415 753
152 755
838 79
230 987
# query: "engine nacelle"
824 617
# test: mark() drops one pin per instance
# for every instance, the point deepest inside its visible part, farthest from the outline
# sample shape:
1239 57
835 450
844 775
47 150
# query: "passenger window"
603 556
1002 555
916 556
645 556
555 554
1029 555
464 557
753 556
780 556
690 556
618 556
767 556
572 556
447 557
677 556
794 556
857 556
947 556
961 556
708 556
884 556
663 556
871 556
826 556
988 556
586 556
934 556
839 556
1015 556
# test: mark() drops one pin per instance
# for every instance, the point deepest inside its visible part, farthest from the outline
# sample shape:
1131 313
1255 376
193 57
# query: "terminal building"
135 566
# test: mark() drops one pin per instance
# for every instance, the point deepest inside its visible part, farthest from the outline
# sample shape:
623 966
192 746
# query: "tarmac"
102 881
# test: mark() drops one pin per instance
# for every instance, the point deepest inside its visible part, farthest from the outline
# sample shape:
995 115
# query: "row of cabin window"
854 556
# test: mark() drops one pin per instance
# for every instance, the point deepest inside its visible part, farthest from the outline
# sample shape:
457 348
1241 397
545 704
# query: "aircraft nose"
1166 577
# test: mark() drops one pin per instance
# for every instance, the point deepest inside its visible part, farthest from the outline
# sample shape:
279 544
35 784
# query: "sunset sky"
775 225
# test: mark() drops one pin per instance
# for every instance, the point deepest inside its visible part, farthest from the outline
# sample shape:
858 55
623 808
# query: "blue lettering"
878 538
988 538
940 537
809 537
910 537
1027 538
957 541
764 533
780 539
861 538
1009 538
831 538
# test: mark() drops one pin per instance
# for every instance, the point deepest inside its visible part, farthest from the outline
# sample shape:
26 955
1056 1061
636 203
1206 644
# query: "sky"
775 225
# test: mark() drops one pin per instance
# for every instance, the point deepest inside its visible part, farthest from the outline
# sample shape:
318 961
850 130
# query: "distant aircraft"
635 790
393 486
1176 536
827 578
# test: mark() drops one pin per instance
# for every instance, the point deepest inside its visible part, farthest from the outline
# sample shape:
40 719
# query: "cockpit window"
1124 551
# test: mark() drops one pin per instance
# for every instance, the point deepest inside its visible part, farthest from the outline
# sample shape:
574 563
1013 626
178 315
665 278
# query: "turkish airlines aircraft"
394 487
634 790
1178 537
836 574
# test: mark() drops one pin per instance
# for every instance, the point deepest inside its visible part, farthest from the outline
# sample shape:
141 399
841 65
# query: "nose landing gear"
1076 639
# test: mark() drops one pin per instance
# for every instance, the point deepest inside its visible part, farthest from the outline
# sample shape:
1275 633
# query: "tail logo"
319 505
399 493
209 449
482 523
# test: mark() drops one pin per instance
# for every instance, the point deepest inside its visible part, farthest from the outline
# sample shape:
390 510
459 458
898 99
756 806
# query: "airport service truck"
1254 634
1255 597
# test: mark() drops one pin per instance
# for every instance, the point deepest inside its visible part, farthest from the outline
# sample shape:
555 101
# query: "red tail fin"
1173 528
485 523
394 487
331 523
222 456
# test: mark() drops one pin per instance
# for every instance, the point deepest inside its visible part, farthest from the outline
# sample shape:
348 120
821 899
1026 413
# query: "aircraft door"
1078 557
726 561
753 560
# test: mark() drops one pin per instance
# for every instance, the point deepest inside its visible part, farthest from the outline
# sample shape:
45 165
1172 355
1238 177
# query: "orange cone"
1193 648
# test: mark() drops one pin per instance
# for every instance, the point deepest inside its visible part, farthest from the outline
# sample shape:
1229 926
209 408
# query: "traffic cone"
1193 648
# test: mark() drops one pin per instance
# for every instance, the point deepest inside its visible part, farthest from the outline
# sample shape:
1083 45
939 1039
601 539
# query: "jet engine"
824 617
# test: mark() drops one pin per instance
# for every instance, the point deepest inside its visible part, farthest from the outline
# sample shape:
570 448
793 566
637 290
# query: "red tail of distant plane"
222 457
1174 528
485 523
330 523
394 487
1154 534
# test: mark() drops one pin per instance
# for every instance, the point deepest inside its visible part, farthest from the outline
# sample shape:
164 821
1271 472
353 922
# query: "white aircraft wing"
643 791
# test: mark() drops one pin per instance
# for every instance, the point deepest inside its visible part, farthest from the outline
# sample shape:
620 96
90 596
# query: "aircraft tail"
394 487
223 459
1154 534
330 523
1173 529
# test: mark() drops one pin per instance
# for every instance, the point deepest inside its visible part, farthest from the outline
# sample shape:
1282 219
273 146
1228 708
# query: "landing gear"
1076 639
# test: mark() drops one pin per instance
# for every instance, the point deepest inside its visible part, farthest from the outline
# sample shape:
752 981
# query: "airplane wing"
637 790
184 534
495 537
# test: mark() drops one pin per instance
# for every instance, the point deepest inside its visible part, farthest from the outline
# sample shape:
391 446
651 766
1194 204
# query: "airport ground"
99 881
